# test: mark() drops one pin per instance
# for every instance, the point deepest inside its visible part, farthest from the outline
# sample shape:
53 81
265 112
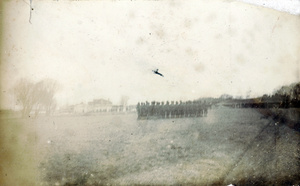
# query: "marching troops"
172 110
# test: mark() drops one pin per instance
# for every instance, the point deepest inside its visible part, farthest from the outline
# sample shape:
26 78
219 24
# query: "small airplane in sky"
156 72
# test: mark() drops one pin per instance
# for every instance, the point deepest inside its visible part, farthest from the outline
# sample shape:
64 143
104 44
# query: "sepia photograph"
152 92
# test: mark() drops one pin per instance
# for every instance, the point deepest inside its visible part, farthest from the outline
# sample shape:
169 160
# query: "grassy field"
236 146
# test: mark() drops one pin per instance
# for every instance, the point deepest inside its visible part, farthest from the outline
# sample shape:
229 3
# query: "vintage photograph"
149 92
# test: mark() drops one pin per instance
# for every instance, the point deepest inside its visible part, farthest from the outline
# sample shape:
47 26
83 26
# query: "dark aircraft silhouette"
156 72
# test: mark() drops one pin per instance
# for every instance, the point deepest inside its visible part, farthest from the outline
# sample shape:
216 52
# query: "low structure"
99 105
81 108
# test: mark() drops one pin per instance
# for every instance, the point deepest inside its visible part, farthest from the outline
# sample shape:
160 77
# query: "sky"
108 49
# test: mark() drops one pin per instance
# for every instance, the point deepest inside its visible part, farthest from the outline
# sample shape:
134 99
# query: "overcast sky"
106 49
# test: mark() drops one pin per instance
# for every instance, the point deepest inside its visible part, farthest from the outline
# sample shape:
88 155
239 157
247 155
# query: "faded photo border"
134 62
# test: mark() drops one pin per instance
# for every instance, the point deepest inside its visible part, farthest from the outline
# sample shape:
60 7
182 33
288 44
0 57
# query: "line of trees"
36 96
284 97
288 96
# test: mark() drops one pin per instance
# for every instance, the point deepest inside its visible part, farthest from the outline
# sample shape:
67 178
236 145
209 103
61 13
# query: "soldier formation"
172 109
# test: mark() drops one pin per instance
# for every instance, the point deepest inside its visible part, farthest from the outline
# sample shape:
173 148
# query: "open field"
236 146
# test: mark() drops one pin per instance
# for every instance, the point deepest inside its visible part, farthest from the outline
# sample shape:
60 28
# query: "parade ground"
228 146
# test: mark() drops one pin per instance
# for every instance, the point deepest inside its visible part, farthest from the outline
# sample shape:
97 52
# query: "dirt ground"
229 146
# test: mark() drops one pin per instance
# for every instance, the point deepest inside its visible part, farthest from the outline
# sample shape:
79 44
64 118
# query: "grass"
222 148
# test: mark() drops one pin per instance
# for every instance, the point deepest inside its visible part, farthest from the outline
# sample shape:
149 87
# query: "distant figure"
138 108
156 72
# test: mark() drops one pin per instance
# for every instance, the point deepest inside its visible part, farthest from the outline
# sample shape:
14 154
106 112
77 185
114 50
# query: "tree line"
284 97
287 96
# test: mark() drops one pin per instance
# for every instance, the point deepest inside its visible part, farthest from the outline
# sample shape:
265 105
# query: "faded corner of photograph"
149 93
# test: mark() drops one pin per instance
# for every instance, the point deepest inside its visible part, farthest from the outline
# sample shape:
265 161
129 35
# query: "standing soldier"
138 109
181 112
193 109
198 108
190 109
152 108
157 109
205 108
143 110
176 110
172 109
147 109
167 109
201 109
186 109
162 110
185 114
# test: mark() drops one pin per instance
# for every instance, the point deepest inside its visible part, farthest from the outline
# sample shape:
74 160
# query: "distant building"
97 106
67 109
81 108
117 108
121 108
100 105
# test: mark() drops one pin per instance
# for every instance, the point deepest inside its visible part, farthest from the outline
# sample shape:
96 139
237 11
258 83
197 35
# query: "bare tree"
24 93
36 96
296 92
45 90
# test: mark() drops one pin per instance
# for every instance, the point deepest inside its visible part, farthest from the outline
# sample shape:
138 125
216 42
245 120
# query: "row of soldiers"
172 110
